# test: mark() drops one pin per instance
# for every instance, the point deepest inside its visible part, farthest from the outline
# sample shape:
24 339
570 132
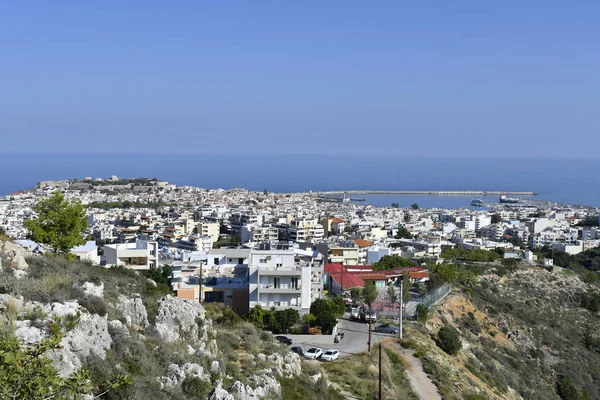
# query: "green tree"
391 262
395 205
369 295
406 285
308 320
326 314
414 206
422 313
355 294
59 224
391 292
257 316
496 218
285 319
26 373
403 233
449 339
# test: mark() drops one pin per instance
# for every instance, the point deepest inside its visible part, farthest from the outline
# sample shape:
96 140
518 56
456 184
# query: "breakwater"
431 192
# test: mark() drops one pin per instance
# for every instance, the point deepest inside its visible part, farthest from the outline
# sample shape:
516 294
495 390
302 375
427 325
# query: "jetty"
428 192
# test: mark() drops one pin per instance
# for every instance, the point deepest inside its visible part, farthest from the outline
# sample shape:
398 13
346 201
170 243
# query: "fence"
391 310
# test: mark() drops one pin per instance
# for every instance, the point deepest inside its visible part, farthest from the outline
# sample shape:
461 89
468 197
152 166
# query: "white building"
252 233
277 281
143 254
88 251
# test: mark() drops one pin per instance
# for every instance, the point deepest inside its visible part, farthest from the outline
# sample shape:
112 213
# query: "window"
279 265
262 260
295 283
216 261
276 282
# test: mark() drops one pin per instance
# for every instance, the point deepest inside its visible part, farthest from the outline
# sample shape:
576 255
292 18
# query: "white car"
313 353
330 355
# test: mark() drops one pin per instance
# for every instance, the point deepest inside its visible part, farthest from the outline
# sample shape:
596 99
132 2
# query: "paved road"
356 336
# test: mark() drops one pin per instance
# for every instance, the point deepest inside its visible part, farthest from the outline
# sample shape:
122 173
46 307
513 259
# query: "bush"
449 339
94 304
196 388
568 391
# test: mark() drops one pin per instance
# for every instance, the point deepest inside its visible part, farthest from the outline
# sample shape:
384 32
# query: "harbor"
427 192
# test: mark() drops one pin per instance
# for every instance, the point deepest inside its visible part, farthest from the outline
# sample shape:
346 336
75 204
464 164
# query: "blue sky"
453 78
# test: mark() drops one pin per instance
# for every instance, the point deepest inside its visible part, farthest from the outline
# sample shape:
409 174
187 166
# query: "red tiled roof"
362 243
329 268
347 280
338 220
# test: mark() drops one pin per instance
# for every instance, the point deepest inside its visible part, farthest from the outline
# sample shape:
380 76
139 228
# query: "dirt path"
418 379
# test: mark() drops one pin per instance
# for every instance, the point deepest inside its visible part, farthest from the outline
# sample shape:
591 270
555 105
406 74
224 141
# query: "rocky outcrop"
15 255
133 311
177 374
90 335
220 394
89 289
28 334
287 366
260 386
179 319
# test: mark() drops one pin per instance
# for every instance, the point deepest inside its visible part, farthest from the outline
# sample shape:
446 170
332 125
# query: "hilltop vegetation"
524 332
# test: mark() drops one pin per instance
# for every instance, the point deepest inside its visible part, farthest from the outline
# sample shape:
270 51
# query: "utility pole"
370 313
380 398
401 305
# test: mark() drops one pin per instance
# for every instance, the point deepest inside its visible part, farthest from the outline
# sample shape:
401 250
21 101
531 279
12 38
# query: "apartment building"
140 255
258 234
553 235
276 280
305 230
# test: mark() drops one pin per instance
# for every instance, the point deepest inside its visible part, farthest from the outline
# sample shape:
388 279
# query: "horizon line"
102 153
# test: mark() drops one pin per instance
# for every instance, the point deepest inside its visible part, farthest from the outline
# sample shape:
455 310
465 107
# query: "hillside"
524 335
119 322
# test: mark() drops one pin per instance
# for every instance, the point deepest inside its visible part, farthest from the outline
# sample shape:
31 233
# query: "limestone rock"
117 330
287 366
90 335
134 311
89 289
214 367
219 393
19 273
28 334
179 319
6 301
176 375
15 254
315 378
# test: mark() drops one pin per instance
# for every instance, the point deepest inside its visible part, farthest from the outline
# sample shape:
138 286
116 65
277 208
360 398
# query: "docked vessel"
510 200
477 203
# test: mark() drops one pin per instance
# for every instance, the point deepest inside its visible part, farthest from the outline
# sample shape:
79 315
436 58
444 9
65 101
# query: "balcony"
279 289
280 271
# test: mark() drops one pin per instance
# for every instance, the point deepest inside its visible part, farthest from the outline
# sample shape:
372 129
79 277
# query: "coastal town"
244 248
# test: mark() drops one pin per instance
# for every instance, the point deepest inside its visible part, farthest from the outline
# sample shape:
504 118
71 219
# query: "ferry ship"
509 200
477 203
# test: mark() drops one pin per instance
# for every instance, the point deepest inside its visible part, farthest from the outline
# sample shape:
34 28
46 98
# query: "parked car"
313 353
297 349
284 340
354 313
387 329
330 355
365 316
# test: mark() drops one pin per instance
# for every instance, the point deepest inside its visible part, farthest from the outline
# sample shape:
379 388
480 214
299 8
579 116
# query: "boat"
508 200
477 203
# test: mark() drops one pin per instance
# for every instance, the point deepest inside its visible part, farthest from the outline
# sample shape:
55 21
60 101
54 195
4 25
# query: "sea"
571 181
